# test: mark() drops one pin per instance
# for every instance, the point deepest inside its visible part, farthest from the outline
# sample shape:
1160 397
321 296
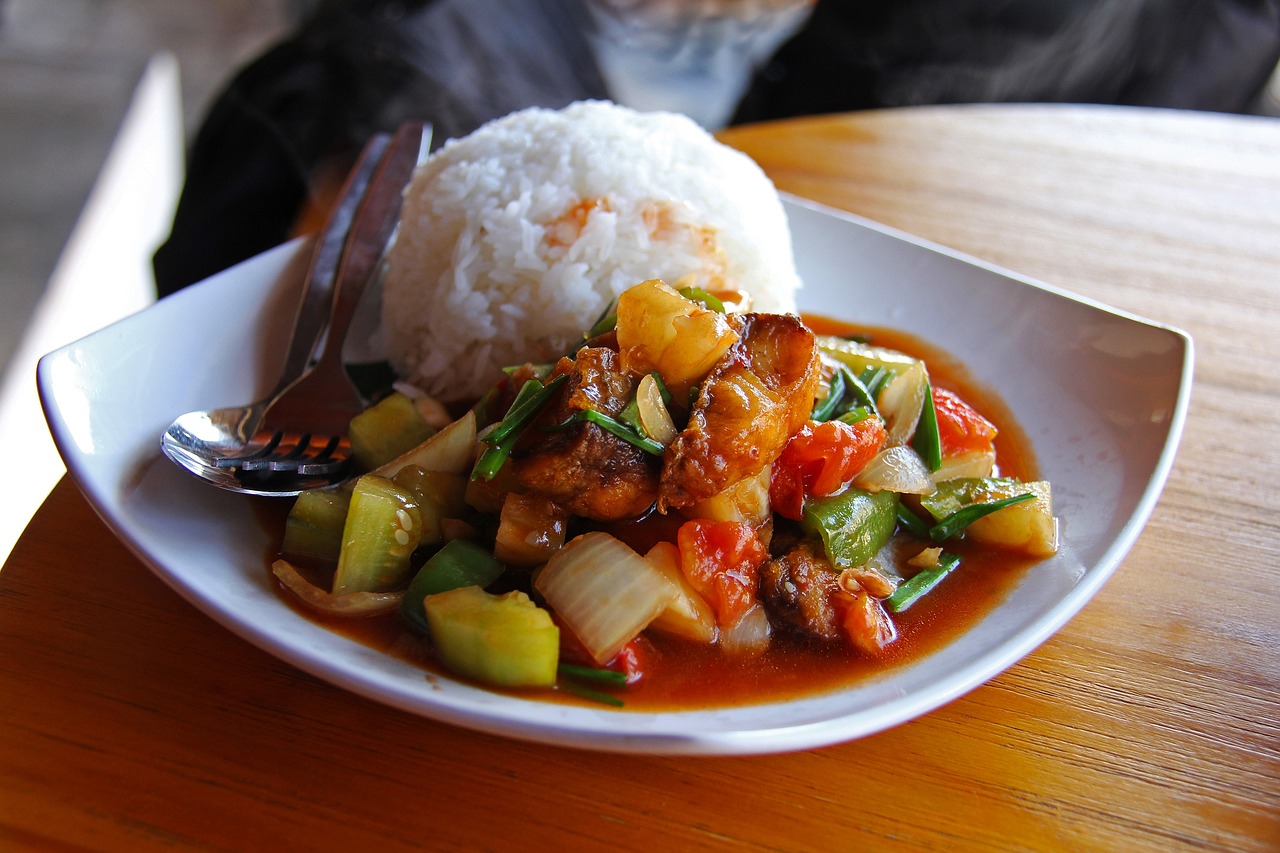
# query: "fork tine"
288 461
326 462
307 455
257 459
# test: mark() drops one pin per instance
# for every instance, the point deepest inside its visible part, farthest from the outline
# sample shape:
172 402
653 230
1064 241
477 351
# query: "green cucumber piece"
386 429
313 531
382 530
502 640
459 563
439 495
853 525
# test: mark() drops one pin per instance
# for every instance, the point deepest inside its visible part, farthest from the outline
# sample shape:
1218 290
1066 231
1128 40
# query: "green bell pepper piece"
853 525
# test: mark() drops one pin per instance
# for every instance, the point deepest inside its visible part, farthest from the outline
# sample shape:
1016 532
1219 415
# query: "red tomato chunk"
961 429
820 460
722 561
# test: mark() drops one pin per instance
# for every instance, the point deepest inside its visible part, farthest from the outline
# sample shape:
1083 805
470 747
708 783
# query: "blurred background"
79 93
68 70
104 105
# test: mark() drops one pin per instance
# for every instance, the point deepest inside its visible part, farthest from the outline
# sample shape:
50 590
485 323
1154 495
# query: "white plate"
1101 395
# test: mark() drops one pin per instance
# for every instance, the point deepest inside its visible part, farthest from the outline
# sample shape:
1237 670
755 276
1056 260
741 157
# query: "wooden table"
130 721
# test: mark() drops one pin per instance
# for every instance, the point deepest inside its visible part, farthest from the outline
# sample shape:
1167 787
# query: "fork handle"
324 397
326 254
375 223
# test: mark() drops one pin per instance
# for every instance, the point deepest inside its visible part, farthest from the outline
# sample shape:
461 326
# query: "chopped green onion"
873 380
860 395
610 677
926 441
593 695
590 673
540 371
621 430
849 399
533 395
827 409
697 294
910 590
861 413
484 404
912 522
962 518
630 415
490 462
606 322
662 388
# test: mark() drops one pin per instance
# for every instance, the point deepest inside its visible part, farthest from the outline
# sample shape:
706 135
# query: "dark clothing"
355 69
305 108
1212 55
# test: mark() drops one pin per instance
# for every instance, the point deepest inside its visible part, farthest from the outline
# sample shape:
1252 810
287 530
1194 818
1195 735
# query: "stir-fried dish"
726 478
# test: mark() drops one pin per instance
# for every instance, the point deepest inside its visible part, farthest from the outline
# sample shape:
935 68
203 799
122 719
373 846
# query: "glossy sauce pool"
681 675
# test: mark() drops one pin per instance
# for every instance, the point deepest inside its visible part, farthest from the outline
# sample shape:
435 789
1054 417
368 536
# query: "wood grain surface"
129 721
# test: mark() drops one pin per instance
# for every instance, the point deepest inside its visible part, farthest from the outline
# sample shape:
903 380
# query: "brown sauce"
681 675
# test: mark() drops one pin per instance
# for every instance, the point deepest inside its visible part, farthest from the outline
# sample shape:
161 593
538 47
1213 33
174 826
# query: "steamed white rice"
515 239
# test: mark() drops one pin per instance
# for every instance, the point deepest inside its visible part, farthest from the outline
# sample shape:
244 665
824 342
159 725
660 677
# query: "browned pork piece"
797 590
749 405
583 468
803 591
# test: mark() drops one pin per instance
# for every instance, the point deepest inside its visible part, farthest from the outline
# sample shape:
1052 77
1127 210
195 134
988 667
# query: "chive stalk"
571 674
540 371
910 590
662 388
850 399
697 294
621 430
533 395
962 518
853 416
590 673
912 522
606 322
861 395
827 409
926 441
592 695
630 416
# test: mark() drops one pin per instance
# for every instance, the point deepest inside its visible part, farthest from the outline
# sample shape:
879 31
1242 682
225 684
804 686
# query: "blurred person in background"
277 142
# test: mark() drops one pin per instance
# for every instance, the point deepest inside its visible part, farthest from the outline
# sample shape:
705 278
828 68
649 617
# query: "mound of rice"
514 239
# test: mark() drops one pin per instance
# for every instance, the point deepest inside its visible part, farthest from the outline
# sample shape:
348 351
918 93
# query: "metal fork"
296 438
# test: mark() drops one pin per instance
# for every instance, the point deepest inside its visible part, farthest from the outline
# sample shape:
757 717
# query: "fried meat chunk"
798 589
583 468
747 408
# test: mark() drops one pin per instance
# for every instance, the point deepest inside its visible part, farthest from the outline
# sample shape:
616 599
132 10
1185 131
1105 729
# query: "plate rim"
759 740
